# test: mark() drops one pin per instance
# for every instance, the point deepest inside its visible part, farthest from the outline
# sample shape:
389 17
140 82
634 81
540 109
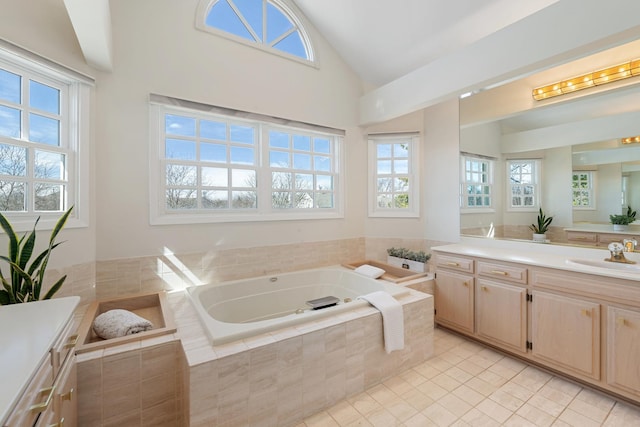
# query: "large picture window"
216 167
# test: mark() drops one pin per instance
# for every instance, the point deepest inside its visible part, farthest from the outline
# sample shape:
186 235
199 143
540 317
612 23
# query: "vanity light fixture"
585 81
630 139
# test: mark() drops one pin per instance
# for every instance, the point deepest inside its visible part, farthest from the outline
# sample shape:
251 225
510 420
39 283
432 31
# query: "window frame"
464 206
413 141
75 98
160 215
202 11
593 179
536 166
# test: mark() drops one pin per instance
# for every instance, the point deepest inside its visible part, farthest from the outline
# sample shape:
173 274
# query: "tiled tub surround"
278 378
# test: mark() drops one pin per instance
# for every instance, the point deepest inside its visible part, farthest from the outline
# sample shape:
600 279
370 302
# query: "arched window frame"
204 6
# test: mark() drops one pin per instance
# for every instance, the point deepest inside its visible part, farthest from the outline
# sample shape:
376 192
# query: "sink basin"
631 268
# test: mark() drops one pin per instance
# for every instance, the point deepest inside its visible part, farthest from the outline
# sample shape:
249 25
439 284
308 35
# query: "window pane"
383 150
384 166
243 178
324 200
215 177
213 152
180 125
278 159
301 161
278 139
280 200
401 166
301 143
239 133
13 160
384 185
213 130
10 87
277 23
324 182
224 18
181 175
303 200
322 163
292 44
251 10
44 130
12 196
384 201
9 122
400 150
49 165
44 97
242 155
321 145
304 181
401 201
180 149
214 199
181 199
48 197
244 200
401 184
281 181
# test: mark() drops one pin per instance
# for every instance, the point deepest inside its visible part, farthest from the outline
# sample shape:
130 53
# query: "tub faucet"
617 253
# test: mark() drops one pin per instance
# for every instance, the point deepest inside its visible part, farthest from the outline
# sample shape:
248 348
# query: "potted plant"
621 222
540 229
24 280
408 259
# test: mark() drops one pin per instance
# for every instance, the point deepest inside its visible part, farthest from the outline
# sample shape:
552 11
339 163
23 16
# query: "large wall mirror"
577 133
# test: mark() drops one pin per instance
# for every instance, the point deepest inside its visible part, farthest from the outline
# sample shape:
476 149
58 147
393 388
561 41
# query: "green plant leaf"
55 288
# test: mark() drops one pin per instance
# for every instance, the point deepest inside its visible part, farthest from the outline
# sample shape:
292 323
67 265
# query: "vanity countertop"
542 255
633 229
28 331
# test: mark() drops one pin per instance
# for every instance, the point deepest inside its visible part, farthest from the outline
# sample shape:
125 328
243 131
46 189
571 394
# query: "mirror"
579 131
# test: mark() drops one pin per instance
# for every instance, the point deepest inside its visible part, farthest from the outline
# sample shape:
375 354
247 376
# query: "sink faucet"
617 253
630 245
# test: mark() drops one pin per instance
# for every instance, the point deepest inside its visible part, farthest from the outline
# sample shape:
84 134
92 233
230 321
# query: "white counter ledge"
28 331
540 254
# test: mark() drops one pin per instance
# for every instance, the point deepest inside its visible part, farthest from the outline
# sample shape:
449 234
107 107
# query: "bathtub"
239 309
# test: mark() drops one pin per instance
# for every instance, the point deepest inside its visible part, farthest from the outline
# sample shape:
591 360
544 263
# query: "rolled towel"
118 323
369 271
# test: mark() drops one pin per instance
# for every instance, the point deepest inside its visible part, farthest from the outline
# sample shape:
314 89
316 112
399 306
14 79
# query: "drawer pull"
40 407
452 264
621 321
500 272
58 424
465 284
580 238
484 288
585 312
73 340
68 395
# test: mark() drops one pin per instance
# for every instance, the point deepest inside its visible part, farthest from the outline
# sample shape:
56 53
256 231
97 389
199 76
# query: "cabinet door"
623 349
501 314
454 300
566 333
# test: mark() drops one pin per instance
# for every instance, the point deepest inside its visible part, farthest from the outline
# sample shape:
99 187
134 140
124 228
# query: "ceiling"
382 41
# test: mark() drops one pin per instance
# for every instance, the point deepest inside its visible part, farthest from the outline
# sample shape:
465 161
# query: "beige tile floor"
467 384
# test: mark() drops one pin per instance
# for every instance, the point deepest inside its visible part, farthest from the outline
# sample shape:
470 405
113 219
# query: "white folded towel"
118 323
392 319
369 271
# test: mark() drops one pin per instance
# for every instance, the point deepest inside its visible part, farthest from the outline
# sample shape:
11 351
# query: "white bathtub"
243 308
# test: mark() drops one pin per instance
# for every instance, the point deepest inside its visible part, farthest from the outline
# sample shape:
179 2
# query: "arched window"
268 24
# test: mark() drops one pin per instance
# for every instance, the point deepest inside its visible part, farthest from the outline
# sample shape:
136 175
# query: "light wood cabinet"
566 333
623 349
501 314
454 300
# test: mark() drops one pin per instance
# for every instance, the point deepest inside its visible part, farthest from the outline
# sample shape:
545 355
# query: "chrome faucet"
617 253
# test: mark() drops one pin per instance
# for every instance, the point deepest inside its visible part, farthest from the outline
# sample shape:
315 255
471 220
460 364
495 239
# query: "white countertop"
540 254
27 333
633 229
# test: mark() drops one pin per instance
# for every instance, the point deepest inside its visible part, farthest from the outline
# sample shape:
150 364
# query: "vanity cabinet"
623 349
565 333
501 312
454 300
593 238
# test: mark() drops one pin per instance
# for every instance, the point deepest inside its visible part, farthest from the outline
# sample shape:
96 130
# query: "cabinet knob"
68 395
40 407
621 321
484 288
465 284
585 312
502 273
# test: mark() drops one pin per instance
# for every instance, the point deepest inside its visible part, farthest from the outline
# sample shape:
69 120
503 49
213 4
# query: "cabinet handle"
621 321
72 341
580 238
503 273
40 407
452 264
484 288
465 284
68 395
58 424
585 312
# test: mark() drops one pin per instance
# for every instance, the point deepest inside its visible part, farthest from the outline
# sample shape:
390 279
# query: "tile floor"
467 384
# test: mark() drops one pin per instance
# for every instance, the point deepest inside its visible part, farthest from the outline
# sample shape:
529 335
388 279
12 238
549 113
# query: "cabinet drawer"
511 273
455 263
584 238
605 239
37 398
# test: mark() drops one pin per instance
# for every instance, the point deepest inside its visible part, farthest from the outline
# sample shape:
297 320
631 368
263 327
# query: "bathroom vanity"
38 359
562 307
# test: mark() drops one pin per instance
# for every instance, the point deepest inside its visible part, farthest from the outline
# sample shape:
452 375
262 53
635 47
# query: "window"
523 179
267 24
392 174
41 123
582 186
477 182
221 168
